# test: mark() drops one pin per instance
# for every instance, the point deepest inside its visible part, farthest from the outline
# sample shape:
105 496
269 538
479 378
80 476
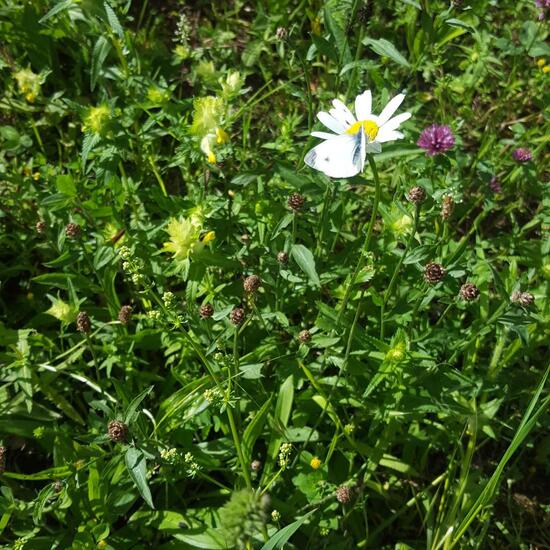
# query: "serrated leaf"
113 21
137 468
59 7
306 262
100 52
90 141
385 48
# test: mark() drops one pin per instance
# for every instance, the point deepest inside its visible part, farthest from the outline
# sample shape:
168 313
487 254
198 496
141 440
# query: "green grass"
148 151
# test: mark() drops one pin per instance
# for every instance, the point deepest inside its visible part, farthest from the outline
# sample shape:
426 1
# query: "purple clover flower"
522 154
543 5
494 185
436 139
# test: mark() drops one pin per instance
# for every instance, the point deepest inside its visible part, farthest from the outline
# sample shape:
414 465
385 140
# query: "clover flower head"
436 139
343 153
29 83
522 154
184 236
61 310
96 118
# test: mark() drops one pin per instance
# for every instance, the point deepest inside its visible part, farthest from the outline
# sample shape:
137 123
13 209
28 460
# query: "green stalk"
365 248
393 280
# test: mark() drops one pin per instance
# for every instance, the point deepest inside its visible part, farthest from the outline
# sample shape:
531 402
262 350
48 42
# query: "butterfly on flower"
343 153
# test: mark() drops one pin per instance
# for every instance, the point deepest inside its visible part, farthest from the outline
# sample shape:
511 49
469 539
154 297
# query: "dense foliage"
205 343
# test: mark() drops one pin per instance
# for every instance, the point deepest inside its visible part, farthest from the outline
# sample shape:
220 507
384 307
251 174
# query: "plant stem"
393 280
365 248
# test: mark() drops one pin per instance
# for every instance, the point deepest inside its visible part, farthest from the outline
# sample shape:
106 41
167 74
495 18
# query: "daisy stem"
365 248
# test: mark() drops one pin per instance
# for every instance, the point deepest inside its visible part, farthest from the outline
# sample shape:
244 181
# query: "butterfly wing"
338 157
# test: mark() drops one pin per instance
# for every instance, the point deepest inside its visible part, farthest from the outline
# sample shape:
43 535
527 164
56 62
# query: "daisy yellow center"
370 128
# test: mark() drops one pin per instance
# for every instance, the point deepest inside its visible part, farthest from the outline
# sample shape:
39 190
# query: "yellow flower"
184 237
207 115
210 236
546 69
221 136
211 158
397 353
96 118
29 83
541 62
36 176
157 95
315 463
61 310
181 52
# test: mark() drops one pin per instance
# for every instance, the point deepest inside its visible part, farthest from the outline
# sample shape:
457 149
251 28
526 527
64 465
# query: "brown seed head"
447 207
416 194
117 431
256 465
206 311
72 230
282 258
40 227
252 283
433 273
237 316
524 299
343 494
469 292
304 336
83 323
281 33
296 202
125 314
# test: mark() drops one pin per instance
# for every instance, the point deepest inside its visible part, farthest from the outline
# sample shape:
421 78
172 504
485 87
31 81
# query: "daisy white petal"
339 157
388 135
331 123
363 105
323 135
390 108
396 121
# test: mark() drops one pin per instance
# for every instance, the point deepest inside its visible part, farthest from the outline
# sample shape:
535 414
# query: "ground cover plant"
274 274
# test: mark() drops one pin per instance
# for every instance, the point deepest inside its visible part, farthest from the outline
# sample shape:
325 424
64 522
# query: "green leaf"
284 402
254 430
131 411
90 141
137 468
305 260
65 185
113 21
385 48
59 7
101 51
281 537
338 34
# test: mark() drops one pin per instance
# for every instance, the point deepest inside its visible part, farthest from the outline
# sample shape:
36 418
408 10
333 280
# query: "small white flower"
343 153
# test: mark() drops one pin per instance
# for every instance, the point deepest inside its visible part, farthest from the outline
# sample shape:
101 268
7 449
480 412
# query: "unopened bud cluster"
206 311
433 273
83 323
191 466
447 207
524 299
170 456
282 258
117 431
416 195
284 455
296 202
132 266
237 316
343 494
72 230
169 300
125 314
304 336
252 283
469 292
214 396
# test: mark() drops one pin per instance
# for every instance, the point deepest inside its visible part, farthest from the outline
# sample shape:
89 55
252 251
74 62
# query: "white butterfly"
343 153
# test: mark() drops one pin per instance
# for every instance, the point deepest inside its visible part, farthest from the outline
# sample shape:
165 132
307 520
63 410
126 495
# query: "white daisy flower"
343 153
